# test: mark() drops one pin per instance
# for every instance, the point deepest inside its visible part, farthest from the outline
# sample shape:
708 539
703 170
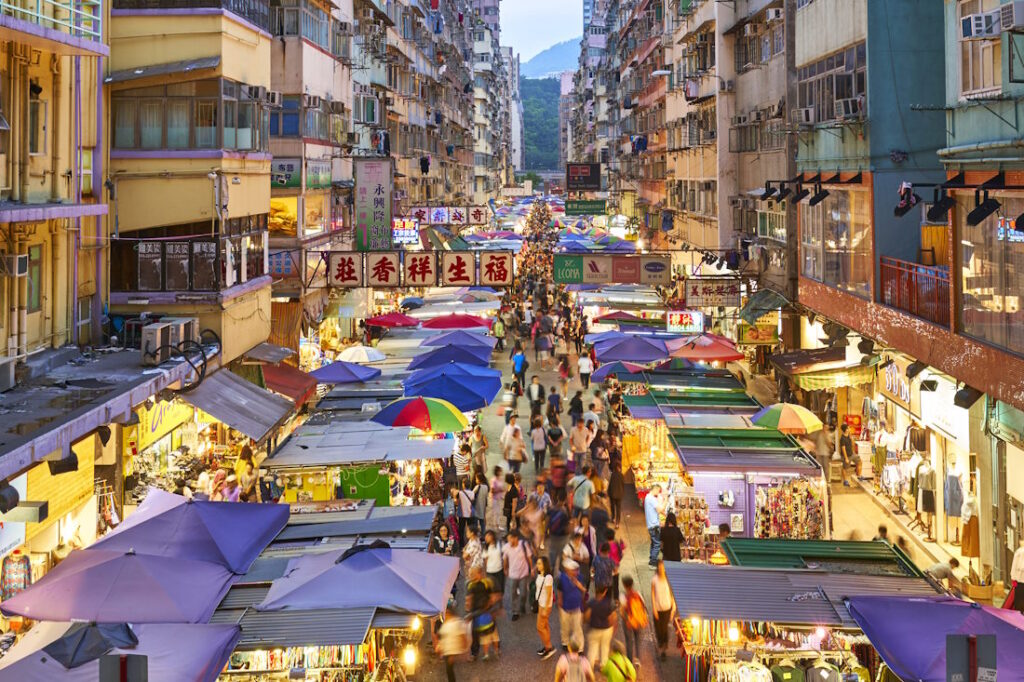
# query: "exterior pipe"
76 174
1017 143
988 159
55 125
97 190
25 123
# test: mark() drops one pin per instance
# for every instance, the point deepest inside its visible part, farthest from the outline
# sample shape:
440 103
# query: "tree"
540 122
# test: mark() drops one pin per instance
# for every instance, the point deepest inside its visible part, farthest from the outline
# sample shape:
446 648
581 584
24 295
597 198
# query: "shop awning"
793 597
268 352
311 627
837 556
760 303
243 406
823 368
737 461
407 520
330 455
290 382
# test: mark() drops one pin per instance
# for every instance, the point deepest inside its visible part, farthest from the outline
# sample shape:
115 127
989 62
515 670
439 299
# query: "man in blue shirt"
519 365
654 504
570 603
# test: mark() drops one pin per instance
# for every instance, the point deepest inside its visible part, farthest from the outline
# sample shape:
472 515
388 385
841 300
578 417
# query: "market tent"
707 348
460 337
632 349
392 320
441 355
616 316
394 579
760 303
174 652
456 321
616 368
341 372
124 587
823 368
289 382
170 525
452 382
84 642
240 404
344 452
838 556
361 354
910 633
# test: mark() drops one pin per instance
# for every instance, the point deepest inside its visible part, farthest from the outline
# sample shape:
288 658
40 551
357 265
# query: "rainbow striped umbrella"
787 418
557 222
426 414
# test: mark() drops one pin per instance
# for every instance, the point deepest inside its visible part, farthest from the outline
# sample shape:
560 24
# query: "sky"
531 26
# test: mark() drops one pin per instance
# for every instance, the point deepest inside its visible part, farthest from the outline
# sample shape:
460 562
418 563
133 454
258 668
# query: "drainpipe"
22 303
59 241
77 176
55 125
11 287
981 147
97 189
9 163
25 122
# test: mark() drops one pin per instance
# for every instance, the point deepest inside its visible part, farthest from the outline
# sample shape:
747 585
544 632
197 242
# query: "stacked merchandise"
324 663
692 518
794 509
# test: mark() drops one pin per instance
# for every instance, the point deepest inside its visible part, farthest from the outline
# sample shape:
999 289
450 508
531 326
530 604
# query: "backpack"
603 568
575 672
636 611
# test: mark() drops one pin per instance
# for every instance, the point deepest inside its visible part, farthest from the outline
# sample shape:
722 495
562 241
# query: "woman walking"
664 605
515 449
497 499
544 595
539 443
478 443
493 563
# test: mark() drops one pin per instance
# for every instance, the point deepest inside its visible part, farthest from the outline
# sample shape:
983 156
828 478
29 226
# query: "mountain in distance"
560 57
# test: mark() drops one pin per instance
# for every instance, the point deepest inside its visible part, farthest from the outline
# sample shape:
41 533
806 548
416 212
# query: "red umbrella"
707 348
617 316
393 320
456 321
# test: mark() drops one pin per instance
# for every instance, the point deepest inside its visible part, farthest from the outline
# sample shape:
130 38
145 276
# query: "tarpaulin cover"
175 652
631 349
395 579
290 382
910 633
341 372
170 525
120 587
460 337
84 642
604 371
761 302
441 355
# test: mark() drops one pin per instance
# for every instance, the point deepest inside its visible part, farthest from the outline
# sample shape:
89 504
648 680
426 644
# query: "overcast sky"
530 26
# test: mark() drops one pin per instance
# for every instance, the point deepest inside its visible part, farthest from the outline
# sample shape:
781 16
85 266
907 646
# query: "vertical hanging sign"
373 204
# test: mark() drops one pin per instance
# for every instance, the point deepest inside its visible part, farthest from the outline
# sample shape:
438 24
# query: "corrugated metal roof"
849 557
419 521
793 597
746 460
241 405
243 596
390 620
268 352
323 627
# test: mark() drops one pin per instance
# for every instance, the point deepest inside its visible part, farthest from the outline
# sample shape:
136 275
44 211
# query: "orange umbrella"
707 348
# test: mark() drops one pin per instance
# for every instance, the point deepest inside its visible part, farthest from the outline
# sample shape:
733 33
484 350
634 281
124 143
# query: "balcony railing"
254 11
77 18
921 290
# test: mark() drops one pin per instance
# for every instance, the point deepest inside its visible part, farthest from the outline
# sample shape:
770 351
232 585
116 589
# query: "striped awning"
835 378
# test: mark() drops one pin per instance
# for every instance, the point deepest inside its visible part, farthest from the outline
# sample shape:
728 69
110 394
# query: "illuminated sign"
684 321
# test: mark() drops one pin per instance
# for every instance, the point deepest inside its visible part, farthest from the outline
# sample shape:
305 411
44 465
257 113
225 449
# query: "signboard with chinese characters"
713 292
477 215
457 215
439 215
345 269
597 269
684 321
286 173
421 214
405 231
458 268
318 173
373 204
758 334
420 269
582 176
496 268
383 269
585 207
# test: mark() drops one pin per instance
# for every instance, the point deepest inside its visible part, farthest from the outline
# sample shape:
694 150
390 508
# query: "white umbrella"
361 354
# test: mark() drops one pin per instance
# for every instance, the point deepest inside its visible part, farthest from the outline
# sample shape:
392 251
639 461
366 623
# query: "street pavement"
519 640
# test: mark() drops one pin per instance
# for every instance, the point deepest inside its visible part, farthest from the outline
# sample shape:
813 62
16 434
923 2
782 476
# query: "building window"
839 76
992 275
981 60
835 238
773 135
285 122
35 278
772 224
743 138
36 126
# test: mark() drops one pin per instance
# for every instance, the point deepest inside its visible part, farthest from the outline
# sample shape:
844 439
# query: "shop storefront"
1006 426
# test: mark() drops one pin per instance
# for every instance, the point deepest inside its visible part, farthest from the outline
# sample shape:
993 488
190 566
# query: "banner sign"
496 268
420 269
286 173
448 215
582 176
758 334
585 207
439 215
345 269
388 269
713 292
684 321
318 174
458 269
601 269
373 204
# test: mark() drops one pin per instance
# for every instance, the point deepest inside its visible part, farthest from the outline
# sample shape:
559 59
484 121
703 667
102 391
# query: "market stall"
799 621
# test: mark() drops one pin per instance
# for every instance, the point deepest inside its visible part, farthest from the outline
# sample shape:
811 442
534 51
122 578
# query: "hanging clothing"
926 489
916 439
15 575
953 492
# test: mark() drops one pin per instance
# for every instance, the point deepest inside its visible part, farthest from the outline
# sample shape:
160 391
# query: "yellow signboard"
164 417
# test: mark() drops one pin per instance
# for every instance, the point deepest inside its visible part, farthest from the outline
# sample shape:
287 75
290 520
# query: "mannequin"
1016 600
971 547
953 500
926 495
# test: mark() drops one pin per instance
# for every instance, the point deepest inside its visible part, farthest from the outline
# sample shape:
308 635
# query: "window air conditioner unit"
311 101
756 115
257 92
803 116
345 28
773 14
156 339
751 29
337 107
975 26
848 108
274 98
15 265
707 185
1011 16
389 101
726 86
735 202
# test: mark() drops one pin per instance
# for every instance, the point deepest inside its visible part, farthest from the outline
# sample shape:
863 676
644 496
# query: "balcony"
69 27
256 12
921 290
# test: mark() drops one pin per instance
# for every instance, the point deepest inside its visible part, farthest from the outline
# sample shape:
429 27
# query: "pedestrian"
466 508
589 533
846 453
531 522
599 516
506 433
576 408
443 543
479 444
601 621
883 534
564 374
555 400
600 457
544 598
585 366
653 506
576 551
519 364
616 550
570 604
480 491
493 562
510 505
450 512
497 499
616 492
671 539
555 438
515 449
518 560
579 443
452 642
604 570
634 618
580 488
498 330
944 570
535 394
472 551
664 606
480 601
538 443
618 667
590 416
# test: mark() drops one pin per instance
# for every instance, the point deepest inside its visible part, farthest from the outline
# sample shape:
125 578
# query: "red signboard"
626 269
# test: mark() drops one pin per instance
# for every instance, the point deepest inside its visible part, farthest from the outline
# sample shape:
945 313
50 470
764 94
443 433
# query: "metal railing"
77 18
921 290
254 11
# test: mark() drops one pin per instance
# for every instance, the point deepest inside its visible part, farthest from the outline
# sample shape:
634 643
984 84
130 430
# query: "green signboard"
586 207
568 269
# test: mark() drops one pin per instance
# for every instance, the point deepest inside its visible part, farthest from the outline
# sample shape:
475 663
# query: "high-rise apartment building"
490 12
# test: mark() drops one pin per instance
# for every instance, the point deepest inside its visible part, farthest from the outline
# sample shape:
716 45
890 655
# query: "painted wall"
826 25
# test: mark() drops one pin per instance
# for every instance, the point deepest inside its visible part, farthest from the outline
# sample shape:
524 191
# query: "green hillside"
540 120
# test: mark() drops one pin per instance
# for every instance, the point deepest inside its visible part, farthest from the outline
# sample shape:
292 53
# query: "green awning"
834 556
760 303
732 439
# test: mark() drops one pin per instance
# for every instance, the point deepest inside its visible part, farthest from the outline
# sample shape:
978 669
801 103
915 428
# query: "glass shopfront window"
992 274
835 240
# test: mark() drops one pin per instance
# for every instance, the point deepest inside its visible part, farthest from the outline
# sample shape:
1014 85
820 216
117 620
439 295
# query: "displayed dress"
953 493
926 489
970 545
15 575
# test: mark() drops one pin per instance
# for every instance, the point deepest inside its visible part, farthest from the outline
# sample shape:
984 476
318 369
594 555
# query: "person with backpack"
634 618
604 571
573 666
618 667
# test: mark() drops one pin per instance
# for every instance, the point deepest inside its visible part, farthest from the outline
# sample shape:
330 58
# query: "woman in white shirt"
664 605
493 564
544 594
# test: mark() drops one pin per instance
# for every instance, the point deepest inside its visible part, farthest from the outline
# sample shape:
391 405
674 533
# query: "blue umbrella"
616 368
341 372
632 349
623 246
576 247
472 355
457 384
452 369
460 337
412 302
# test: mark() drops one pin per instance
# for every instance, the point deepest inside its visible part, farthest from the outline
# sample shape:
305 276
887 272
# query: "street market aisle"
519 641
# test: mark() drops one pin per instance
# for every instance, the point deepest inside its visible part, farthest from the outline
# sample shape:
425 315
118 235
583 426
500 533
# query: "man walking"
586 368
654 505
535 393
570 603
517 561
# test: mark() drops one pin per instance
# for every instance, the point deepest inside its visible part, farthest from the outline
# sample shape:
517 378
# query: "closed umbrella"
341 372
456 321
393 320
361 354
442 355
460 337
632 349
426 414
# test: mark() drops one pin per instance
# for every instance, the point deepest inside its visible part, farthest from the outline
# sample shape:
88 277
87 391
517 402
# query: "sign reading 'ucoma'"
579 269
386 269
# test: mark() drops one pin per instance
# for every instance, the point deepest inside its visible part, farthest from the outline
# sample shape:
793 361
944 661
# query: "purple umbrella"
460 337
442 355
225 533
341 372
123 587
631 349
910 632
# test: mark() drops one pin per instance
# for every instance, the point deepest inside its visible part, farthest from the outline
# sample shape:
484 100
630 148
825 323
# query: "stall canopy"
102 586
910 633
290 382
341 372
170 525
460 337
631 349
243 406
345 453
394 579
823 368
762 302
791 597
835 556
268 352
456 321
458 384
174 653
442 355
